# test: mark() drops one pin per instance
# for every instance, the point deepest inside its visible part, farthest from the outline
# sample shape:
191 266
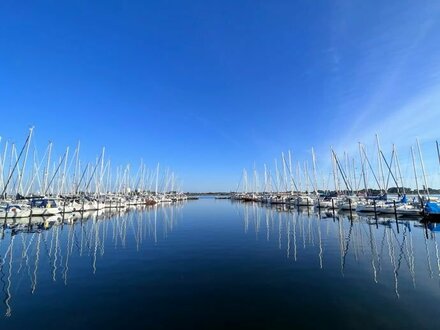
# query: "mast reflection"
385 246
45 246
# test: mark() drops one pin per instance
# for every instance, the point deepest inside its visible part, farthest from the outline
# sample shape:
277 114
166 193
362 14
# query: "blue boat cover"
404 199
432 208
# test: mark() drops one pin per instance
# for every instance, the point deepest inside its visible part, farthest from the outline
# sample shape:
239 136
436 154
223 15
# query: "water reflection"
32 249
388 249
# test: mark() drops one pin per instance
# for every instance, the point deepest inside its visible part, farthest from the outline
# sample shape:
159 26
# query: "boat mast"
277 175
398 169
109 173
284 172
55 173
423 168
101 172
3 162
46 170
382 178
315 182
265 179
245 180
290 172
21 173
438 152
306 174
371 168
63 177
363 169
334 174
415 172
355 184
390 172
255 180
13 169
298 171
157 178
344 177
347 168
77 170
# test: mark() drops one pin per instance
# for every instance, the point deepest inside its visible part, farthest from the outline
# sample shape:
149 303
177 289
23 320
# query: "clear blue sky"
210 87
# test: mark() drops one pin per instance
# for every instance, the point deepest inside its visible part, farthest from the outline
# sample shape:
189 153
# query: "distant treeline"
395 190
209 194
392 190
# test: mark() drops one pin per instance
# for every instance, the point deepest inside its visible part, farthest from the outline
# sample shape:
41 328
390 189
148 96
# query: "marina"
219 165
215 263
351 187
66 186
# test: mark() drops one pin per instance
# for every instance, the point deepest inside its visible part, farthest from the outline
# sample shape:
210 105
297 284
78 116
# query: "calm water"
216 264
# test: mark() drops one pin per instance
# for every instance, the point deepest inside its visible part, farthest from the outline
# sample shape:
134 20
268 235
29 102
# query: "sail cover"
432 208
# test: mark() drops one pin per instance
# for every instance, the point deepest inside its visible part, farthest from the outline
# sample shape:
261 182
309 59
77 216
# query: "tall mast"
347 168
306 174
355 185
298 169
277 175
335 178
77 170
20 178
290 172
380 162
363 169
63 177
255 180
15 165
398 169
245 181
157 178
423 168
415 172
265 179
109 187
3 162
46 170
284 172
315 181
344 176
101 173
438 152
11 167
56 169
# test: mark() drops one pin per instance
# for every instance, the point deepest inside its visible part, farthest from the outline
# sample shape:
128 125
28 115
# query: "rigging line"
56 171
15 165
371 168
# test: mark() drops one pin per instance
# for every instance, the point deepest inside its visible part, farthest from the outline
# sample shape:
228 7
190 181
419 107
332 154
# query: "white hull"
367 208
40 211
14 213
325 204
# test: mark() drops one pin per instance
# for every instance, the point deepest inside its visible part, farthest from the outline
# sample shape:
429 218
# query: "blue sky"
210 87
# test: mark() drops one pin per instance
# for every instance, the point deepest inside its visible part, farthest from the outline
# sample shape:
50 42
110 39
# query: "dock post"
5 222
64 209
30 219
333 208
375 210
351 211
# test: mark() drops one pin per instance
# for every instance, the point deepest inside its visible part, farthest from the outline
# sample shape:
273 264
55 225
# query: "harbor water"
214 264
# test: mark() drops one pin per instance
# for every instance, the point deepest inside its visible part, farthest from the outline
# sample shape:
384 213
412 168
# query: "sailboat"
14 210
432 206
